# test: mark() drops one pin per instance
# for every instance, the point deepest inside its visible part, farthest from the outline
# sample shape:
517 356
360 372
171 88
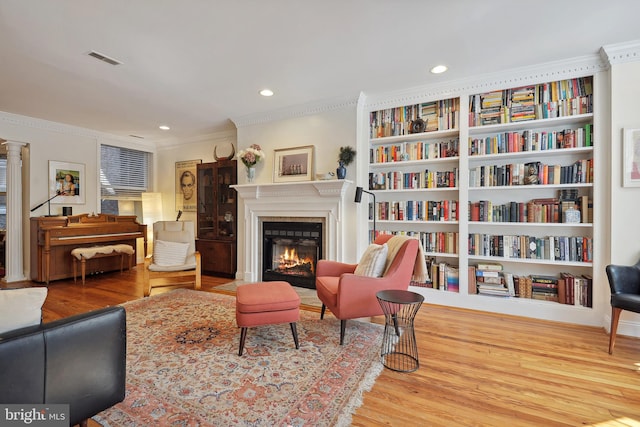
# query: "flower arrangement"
251 156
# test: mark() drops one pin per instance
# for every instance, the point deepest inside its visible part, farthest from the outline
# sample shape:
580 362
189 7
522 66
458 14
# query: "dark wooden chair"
624 281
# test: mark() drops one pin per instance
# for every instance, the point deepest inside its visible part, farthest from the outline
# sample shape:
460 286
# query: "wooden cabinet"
217 217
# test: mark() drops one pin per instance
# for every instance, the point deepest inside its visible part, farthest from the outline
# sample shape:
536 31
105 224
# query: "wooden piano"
53 239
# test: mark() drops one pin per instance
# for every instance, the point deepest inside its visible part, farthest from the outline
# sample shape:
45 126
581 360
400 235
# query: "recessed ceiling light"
266 92
164 127
439 69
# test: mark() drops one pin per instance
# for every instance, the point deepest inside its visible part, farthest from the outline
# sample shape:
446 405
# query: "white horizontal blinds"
124 173
3 174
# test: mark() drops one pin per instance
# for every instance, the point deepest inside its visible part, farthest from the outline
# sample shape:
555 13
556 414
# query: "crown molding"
550 71
621 53
296 111
47 125
215 137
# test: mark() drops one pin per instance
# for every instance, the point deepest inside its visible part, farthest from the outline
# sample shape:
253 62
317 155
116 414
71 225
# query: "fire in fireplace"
291 251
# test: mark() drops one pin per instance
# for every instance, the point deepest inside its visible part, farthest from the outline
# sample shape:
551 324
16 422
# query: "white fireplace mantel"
308 199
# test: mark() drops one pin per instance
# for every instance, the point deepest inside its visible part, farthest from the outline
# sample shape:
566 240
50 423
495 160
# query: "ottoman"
266 303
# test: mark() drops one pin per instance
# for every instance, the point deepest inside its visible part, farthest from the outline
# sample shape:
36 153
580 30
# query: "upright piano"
53 239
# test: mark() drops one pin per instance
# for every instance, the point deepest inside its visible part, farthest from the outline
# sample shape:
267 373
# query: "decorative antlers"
229 157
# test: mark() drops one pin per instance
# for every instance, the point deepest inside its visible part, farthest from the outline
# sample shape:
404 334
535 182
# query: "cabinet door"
217 257
226 200
206 201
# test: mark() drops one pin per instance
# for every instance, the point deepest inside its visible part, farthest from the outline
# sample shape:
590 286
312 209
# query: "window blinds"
124 173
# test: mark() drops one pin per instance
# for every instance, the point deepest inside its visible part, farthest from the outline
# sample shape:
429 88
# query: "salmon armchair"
350 296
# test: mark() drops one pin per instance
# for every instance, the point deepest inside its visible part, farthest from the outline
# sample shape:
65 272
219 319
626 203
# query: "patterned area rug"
183 367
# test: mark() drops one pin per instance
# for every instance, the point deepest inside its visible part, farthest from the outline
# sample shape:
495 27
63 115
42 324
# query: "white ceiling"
196 65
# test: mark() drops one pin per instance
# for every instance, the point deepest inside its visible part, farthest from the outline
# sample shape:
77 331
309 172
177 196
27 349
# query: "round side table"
399 350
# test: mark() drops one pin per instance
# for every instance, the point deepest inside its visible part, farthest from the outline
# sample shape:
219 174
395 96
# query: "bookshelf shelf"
536 140
413 163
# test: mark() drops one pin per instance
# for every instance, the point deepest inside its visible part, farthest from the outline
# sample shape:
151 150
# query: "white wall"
327 131
625 201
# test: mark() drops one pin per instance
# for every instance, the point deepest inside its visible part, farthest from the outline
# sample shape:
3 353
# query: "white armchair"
175 261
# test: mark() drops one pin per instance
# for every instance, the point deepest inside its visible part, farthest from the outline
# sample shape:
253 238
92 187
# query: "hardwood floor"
476 369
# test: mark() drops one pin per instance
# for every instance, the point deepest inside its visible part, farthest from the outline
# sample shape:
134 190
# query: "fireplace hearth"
291 250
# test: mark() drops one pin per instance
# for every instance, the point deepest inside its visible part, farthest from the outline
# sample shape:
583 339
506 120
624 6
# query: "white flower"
252 155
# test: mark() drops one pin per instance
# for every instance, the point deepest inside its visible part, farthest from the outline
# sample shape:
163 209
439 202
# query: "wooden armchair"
175 261
350 296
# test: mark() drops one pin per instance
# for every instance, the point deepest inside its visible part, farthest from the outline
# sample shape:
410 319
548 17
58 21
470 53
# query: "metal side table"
399 350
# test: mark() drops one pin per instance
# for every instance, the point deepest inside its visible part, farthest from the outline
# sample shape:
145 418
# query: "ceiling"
197 65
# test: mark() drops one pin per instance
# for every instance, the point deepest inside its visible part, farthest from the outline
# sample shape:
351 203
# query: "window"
3 192
124 176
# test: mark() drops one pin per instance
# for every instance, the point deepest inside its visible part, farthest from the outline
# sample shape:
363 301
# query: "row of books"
531 173
529 140
545 100
554 248
444 242
570 289
419 150
397 180
547 210
438 115
442 276
417 210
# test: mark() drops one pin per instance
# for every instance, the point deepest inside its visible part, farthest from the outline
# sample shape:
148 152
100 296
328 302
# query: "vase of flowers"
345 158
250 158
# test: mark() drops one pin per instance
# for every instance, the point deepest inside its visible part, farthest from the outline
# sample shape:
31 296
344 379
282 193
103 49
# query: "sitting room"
222 214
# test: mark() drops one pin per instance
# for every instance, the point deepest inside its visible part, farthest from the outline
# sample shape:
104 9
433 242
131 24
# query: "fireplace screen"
291 251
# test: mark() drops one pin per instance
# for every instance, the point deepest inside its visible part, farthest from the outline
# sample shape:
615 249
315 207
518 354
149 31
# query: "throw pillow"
169 254
373 260
20 308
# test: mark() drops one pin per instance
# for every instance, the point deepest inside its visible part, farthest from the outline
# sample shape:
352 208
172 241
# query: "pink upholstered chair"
349 296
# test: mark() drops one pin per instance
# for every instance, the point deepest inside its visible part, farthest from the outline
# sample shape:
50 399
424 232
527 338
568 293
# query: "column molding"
14 262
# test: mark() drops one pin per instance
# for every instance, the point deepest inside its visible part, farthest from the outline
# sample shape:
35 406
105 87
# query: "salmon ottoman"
266 303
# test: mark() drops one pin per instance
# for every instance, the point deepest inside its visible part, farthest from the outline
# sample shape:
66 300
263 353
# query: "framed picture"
67 180
187 185
631 158
293 164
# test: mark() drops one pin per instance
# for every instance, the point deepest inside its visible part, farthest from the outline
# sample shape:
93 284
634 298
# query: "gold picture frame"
293 164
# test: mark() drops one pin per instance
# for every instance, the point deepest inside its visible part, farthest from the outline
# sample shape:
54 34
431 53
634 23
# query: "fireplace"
291 250
306 201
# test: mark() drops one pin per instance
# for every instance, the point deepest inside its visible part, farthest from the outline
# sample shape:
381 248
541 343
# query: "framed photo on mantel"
293 164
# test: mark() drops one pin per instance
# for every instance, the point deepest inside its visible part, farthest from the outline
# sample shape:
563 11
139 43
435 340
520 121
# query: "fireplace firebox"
291 251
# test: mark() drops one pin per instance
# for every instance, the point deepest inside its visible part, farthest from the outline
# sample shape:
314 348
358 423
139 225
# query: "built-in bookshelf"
526 191
530 188
414 156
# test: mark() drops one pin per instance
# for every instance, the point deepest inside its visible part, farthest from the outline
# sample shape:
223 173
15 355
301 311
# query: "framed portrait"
293 164
67 180
187 185
631 158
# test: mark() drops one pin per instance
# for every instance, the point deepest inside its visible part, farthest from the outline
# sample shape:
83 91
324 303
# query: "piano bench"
94 252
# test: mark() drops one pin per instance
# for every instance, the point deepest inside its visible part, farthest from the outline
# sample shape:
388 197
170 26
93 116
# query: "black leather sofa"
78 360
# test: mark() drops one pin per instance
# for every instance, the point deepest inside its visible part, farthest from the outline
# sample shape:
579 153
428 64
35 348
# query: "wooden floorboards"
476 368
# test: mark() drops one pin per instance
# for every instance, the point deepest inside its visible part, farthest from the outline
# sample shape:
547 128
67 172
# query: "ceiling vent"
104 58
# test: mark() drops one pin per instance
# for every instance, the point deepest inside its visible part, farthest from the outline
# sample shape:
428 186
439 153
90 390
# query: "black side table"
399 350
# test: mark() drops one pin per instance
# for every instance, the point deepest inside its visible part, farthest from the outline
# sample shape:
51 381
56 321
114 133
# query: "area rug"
183 367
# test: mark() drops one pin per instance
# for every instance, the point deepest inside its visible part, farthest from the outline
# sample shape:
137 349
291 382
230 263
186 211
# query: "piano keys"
53 239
